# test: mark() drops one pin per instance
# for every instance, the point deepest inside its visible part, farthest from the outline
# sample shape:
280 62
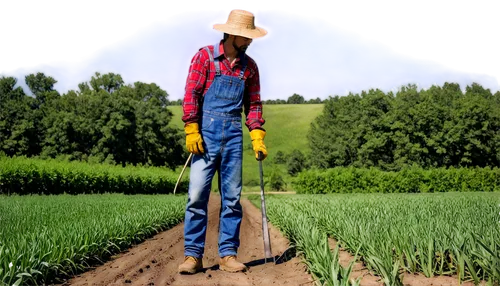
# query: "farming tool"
182 172
289 253
268 255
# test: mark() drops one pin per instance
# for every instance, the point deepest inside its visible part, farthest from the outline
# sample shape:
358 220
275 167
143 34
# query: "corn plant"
46 238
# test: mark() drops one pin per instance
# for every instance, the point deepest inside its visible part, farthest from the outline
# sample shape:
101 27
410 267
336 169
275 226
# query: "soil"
155 261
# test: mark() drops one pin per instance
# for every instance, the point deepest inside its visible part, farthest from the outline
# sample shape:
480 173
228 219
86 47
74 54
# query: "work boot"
191 265
230 264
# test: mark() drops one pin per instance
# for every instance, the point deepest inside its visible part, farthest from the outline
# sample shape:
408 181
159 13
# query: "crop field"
47 237
434 234
62 217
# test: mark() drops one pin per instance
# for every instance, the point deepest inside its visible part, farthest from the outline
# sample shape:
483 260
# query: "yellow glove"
193 139
257 136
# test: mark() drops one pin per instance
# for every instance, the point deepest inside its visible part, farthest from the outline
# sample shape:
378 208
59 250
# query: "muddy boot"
230 264
191 265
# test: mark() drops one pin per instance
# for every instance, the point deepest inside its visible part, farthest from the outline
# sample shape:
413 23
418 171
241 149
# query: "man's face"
241 43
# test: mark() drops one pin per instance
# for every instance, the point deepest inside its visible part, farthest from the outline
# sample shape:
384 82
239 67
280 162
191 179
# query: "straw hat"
241 23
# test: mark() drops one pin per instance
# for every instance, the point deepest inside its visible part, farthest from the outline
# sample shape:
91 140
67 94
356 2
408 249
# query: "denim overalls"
221 130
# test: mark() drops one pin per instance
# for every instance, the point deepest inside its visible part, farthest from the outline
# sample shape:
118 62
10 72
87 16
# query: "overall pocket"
229 88
235 130
206 122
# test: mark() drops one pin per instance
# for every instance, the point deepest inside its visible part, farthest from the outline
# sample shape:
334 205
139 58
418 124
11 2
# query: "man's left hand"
257 136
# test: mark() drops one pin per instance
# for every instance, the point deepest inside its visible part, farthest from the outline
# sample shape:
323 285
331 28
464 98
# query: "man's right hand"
193 139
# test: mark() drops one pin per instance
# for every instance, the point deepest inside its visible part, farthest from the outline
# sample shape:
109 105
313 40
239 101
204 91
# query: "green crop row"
21 175
46 238
410 180
435 234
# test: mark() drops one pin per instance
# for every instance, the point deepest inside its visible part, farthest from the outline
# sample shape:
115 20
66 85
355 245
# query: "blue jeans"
223 144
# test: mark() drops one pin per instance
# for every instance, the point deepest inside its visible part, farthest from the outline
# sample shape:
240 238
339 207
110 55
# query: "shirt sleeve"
252 102
195 84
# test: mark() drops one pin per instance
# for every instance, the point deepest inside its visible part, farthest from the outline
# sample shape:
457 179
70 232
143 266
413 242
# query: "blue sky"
302 54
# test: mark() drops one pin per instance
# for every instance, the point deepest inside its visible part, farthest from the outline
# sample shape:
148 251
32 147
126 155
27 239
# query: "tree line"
104 120
442 126
293 99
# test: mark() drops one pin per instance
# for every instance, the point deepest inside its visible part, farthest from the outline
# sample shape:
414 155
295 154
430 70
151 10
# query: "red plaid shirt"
200 77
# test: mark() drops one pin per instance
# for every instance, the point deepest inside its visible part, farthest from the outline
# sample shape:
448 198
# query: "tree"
109 82
296 162
276 180
18 122
295 99
280 158
317 100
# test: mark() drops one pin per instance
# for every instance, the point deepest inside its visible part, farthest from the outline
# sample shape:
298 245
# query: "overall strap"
214 58
217 67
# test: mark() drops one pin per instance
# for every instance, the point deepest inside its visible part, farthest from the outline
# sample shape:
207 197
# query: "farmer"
222 80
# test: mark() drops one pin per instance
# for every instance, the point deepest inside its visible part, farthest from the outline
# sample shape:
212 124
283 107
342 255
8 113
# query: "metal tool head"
288 254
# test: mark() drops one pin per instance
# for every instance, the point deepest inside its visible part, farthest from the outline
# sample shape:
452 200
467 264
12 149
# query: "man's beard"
241 49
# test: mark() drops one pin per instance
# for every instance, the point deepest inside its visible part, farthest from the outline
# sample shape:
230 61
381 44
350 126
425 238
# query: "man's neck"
229 50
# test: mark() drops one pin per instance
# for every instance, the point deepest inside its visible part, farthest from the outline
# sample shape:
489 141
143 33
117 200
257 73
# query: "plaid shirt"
198 83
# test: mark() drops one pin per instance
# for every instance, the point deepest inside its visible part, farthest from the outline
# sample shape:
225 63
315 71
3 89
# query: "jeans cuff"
196 255
227 253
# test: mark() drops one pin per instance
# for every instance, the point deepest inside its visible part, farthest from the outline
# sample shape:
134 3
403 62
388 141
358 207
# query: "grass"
434 234
44 238
286 127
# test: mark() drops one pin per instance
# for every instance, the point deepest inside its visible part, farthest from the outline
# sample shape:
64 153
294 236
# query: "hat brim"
247 33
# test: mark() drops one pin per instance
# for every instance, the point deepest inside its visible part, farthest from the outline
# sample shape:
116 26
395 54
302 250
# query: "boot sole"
232 270
189 271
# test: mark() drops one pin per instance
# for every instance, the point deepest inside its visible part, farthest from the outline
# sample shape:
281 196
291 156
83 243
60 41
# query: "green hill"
286 125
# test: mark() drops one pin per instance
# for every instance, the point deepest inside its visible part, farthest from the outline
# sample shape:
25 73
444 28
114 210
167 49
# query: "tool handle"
182 172
265 229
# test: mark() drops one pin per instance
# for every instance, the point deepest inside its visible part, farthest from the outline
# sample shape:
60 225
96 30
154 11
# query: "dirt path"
155 261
